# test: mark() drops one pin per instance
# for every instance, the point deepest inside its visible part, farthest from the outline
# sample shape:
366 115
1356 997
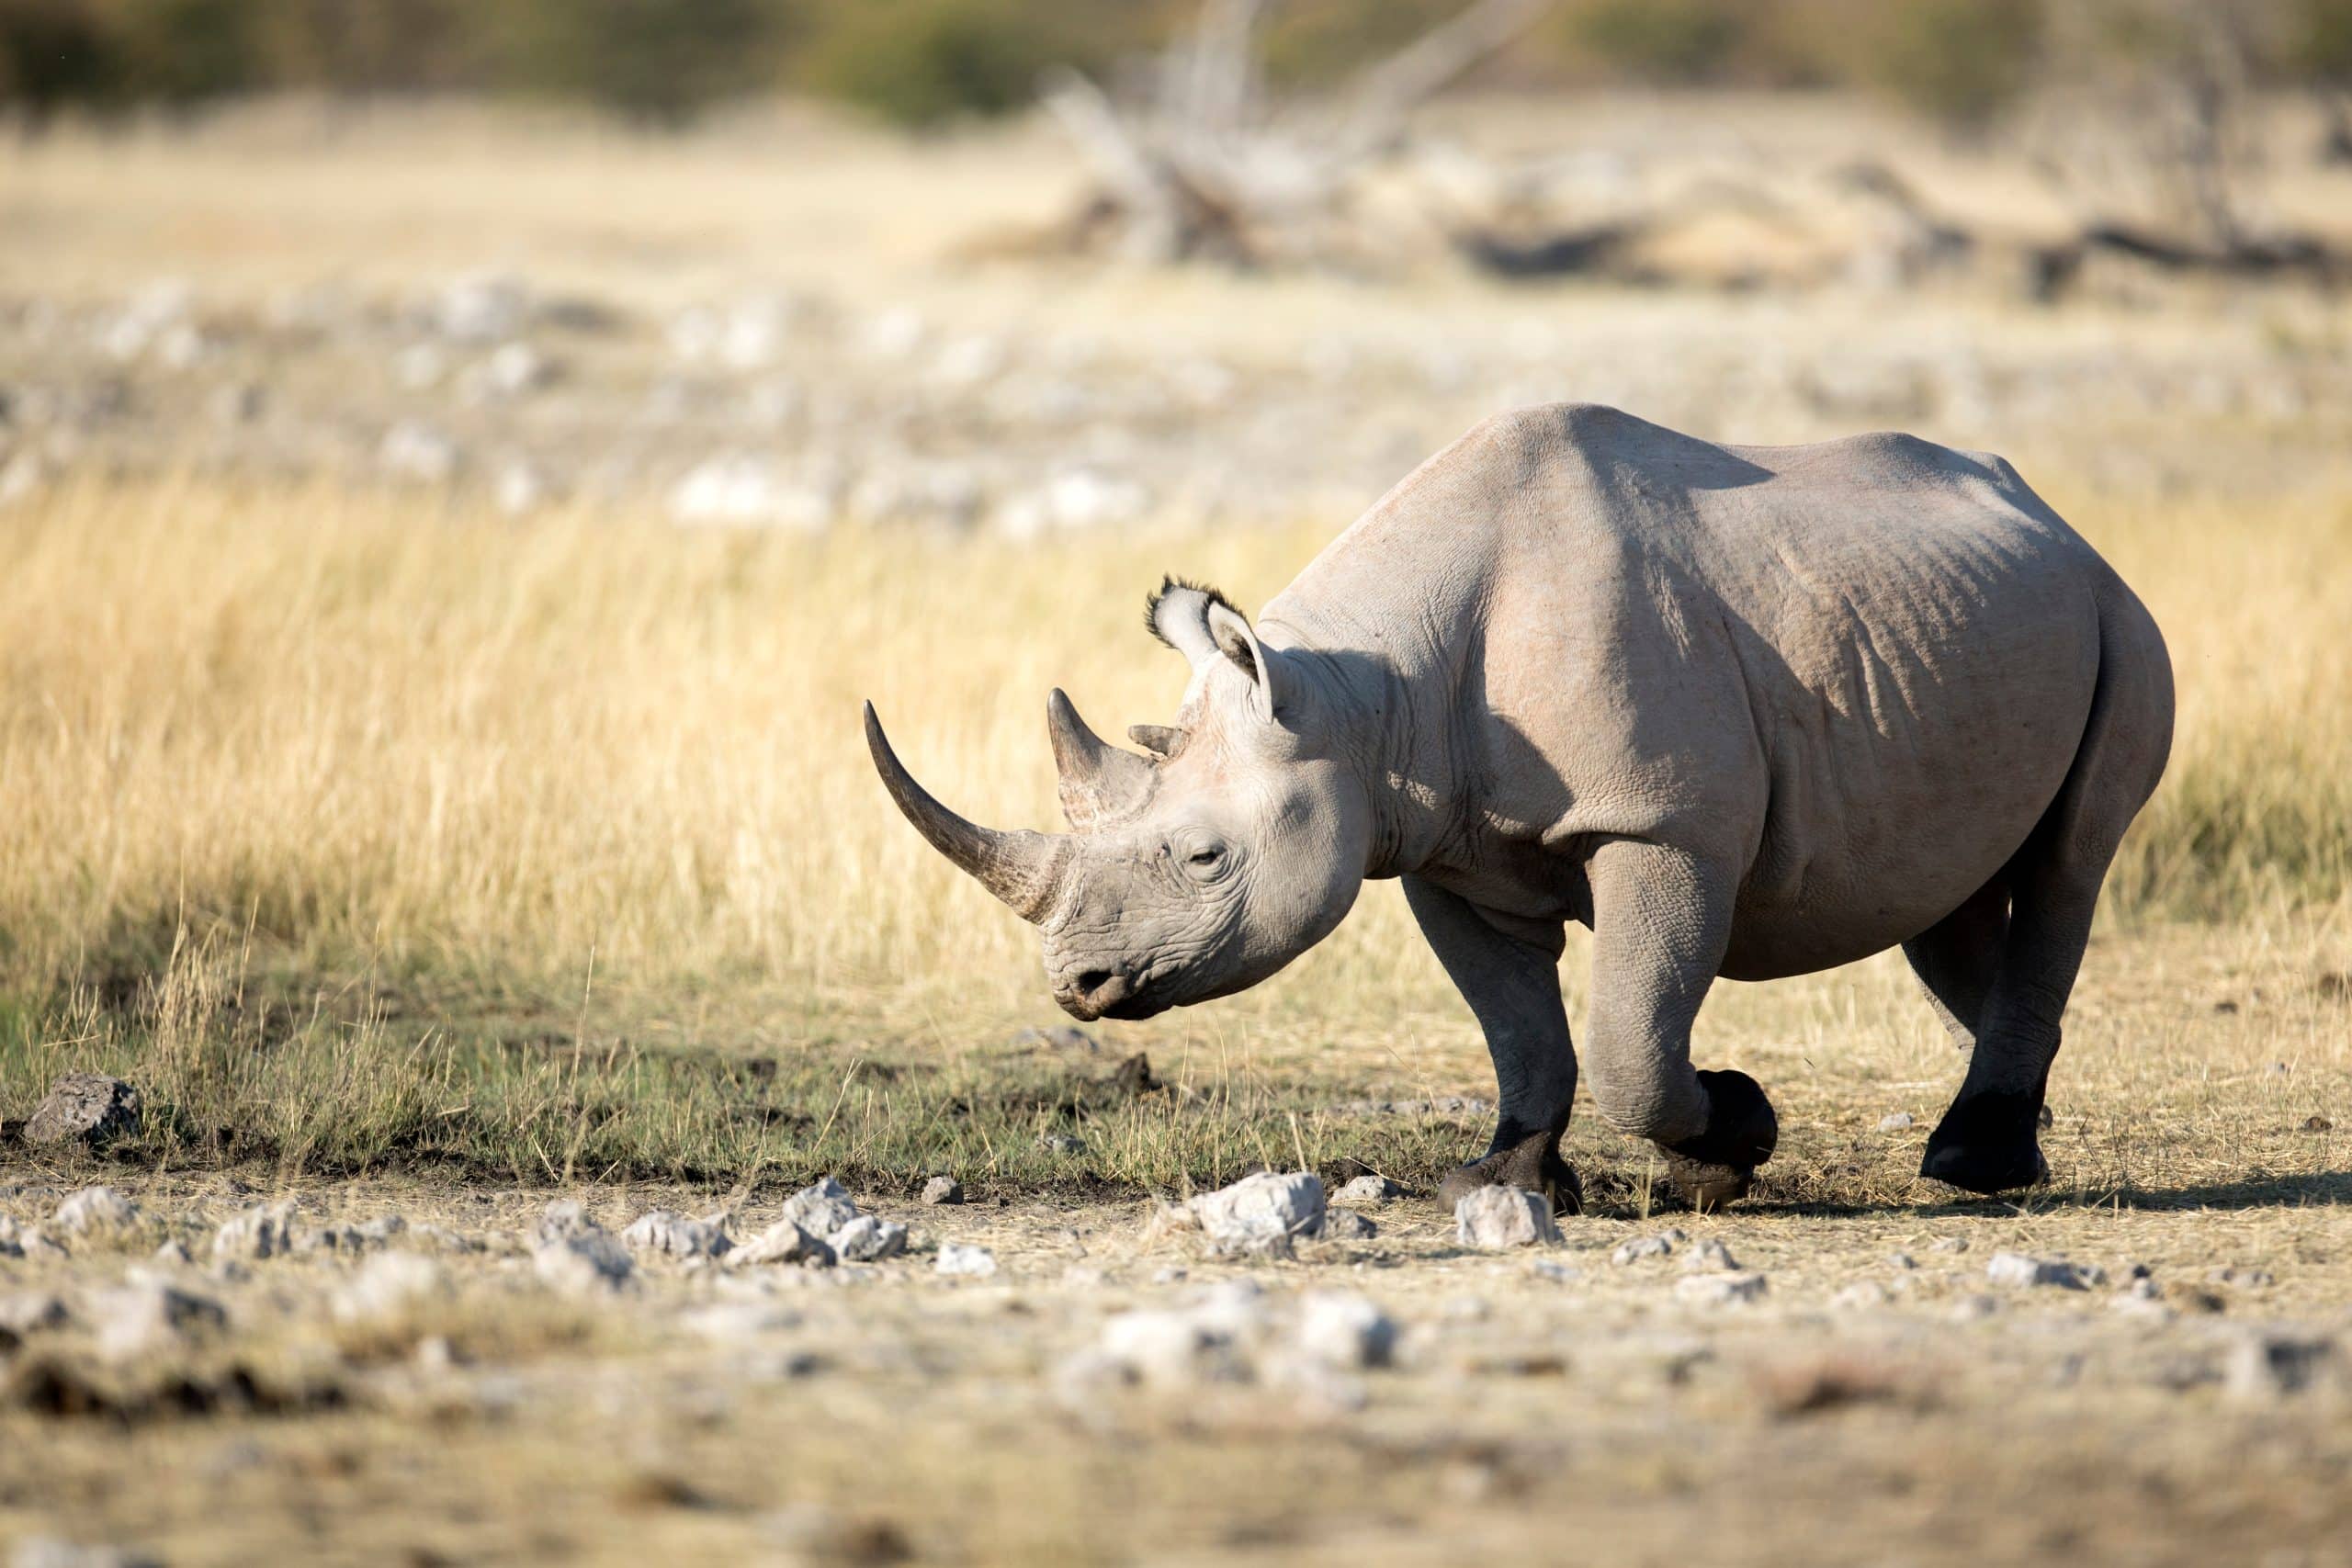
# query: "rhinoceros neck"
1392 641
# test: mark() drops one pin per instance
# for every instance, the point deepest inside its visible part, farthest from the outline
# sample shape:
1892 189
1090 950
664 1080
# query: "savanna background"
462 466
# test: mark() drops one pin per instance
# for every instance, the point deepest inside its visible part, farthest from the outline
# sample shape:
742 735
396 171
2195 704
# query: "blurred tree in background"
923 63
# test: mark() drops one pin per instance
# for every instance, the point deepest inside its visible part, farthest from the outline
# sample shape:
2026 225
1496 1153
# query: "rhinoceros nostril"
1092 981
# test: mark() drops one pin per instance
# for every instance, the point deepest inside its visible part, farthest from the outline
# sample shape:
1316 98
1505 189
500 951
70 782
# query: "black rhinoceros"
1744 711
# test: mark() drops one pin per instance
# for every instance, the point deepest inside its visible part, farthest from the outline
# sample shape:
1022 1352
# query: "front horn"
1098 782
1024 869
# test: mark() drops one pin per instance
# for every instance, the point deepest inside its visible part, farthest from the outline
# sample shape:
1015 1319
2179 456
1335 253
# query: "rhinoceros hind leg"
1986 1143
1957 958
1716 1167
1533 1166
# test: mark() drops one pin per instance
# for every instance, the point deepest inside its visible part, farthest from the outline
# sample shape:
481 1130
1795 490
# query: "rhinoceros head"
1196 871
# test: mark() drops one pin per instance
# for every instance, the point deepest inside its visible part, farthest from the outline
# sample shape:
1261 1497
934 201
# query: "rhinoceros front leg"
1512 984
1662 919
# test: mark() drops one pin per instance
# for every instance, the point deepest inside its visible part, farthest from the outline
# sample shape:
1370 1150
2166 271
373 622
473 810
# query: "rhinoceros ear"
1201 623
1238 643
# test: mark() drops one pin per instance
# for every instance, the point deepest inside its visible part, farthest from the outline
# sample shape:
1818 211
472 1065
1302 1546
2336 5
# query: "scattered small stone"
943 1189
1443 1105
1949 1244
480 308
1557 1274
1061 1143
514 369
1495 1219
660 1230
265 1230
973 1262
49 1552
1896 1122
820 1208
563 1218
27 1241
29 1311
869 1239
94 1208
1720 1290
589 1263
1172 1275
1968 1309
1658 1244
382 1229
1370 1190
1261 1214
1133 1077
418 366
2270 1366
744 492
2318 1125
1060 1037
786 1241
1708 1256
1345 1331
1902 1260
85 1107
520 488
415 451
1346 1224
1861 1295
148 1314
2018 1269
2246 1279
339 1239
1171 1349
387 1285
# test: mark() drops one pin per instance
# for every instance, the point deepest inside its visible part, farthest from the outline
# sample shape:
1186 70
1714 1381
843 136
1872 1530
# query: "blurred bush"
922 62
1664 40
1959 62
655 59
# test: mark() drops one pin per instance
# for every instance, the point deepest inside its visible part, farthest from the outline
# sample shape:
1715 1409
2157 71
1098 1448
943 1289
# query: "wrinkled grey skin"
1746 712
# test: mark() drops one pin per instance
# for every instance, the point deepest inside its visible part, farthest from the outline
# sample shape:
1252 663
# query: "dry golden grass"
509 842
362 732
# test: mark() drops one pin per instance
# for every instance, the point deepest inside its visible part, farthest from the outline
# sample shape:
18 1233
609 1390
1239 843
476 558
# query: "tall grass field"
361 830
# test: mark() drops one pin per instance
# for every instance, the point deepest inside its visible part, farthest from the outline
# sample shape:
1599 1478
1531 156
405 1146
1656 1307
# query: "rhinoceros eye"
1204 860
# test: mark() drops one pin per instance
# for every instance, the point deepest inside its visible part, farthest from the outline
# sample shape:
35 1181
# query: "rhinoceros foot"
1531 1165
1985 1144
1717 1166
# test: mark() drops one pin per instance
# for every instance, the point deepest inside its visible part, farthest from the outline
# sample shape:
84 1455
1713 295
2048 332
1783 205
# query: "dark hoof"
1986 1145
1534 1166
1718 1166
1707 1187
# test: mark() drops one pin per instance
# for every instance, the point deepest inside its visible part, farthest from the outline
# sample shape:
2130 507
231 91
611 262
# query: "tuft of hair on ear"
1169 584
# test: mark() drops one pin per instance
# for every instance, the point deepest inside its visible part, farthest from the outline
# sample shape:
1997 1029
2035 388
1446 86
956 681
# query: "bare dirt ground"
1881 1399
1859 1381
